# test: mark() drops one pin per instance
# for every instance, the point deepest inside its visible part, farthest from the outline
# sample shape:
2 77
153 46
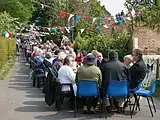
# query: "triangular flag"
70 16
101 19
86 1
128 18
98 27
49 29
42 6
55 29
94 19
113 24
108 20
78 18
62 29
82 30
62 14
86 18
67 29
105 26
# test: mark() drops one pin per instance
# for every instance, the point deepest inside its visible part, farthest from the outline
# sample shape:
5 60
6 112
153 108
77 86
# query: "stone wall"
147 38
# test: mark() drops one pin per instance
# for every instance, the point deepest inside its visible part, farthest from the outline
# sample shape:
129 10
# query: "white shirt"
66 75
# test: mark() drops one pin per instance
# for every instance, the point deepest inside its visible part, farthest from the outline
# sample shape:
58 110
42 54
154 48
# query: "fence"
152 63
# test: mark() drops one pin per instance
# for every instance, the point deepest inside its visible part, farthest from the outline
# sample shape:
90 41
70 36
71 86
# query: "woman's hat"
91 60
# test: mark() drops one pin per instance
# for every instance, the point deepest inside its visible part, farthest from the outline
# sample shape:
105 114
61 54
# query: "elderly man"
100 60
89 71
114 70
128 60
138 70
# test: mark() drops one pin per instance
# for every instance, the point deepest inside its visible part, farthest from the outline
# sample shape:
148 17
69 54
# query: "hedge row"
7 50
102 43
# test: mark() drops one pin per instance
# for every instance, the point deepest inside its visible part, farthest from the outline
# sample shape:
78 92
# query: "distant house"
82 8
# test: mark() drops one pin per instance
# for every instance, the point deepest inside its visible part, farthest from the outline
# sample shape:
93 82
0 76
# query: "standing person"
18 41
138 70
114 70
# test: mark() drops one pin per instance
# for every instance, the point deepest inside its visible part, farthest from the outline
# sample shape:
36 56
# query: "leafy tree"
136 5
152 16
96 10
48 11
7 23
22 9
102 42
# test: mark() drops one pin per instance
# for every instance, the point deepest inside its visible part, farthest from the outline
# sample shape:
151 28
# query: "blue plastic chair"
147 94
119 89
87 89
135 96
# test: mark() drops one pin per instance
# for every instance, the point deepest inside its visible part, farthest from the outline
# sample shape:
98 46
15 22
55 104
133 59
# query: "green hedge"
101 42
7 51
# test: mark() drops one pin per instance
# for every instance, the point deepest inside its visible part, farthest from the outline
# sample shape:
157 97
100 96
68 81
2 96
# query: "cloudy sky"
114 6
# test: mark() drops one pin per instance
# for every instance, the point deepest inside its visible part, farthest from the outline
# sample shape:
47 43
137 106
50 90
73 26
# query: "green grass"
6 68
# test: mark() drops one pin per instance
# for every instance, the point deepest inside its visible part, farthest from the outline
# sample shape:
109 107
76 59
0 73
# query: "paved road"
20 101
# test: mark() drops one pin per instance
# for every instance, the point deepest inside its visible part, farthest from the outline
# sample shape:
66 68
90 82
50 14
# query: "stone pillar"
135 43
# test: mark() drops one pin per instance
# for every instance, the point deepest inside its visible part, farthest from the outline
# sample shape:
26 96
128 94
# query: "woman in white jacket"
66 74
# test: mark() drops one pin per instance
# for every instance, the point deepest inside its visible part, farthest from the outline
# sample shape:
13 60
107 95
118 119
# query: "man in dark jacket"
113 70
138 70
100 60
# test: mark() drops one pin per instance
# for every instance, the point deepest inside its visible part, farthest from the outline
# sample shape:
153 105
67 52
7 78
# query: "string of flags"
96 23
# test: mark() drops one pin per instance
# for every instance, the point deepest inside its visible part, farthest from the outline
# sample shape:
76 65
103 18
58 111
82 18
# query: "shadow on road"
20 82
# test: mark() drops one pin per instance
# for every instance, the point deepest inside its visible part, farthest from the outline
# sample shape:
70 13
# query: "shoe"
119 110
92 110
85 110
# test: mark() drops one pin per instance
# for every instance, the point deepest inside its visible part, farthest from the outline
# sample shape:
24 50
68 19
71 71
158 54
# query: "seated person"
128 60
66 73
39 59
60 60
89 71
114 70
48 60
138 69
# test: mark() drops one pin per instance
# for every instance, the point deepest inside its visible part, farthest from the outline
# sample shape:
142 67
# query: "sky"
114 6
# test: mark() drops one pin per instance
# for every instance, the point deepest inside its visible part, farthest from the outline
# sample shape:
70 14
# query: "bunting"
106 22
82 30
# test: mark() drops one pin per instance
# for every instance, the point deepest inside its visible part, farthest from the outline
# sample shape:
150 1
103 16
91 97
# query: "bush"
7 51
101 42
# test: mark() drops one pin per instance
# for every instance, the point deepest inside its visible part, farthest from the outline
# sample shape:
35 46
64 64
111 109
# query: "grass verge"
157 93
6 68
